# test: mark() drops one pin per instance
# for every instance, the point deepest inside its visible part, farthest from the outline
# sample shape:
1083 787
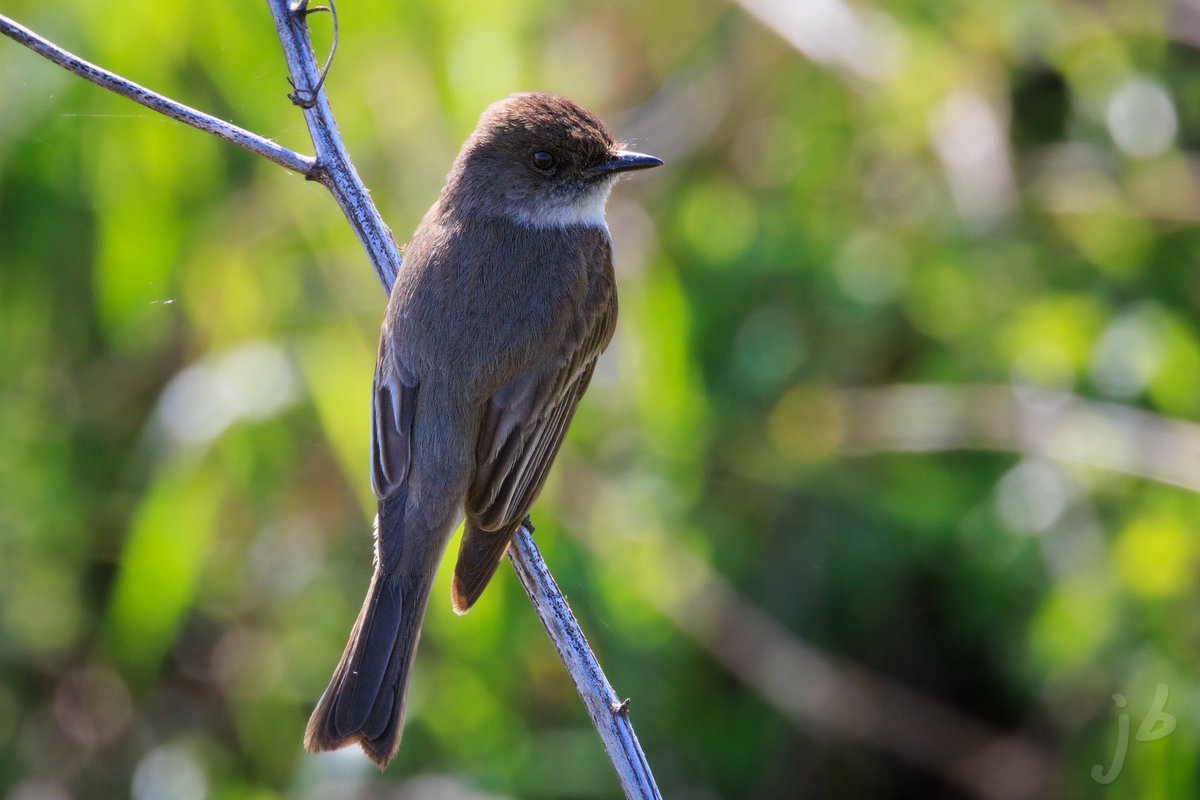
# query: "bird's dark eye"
542 160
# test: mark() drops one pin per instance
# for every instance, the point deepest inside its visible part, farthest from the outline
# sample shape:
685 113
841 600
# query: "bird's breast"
487 299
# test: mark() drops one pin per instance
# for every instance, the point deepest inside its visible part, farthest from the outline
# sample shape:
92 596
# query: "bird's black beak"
626 161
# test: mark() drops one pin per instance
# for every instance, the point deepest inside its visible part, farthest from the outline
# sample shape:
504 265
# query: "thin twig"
302 9
334 170
157 102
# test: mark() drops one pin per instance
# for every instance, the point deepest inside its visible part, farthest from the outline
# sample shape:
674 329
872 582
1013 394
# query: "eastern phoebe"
506 299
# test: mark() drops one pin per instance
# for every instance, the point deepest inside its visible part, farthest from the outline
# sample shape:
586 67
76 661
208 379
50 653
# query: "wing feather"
522 438
395 402
522 429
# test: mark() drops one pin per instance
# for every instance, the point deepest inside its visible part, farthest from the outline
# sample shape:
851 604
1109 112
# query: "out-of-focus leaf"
163 558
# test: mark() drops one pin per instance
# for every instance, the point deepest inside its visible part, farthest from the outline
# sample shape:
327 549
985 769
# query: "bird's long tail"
364 702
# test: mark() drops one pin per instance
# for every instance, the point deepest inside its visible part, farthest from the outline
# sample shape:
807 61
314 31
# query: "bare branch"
609 713
334 169
156 102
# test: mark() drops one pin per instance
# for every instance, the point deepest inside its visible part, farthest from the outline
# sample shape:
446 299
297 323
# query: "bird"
504 302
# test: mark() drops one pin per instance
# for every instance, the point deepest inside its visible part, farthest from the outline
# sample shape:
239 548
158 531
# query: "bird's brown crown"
555 124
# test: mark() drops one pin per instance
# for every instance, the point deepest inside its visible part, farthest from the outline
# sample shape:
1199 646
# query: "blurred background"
886 488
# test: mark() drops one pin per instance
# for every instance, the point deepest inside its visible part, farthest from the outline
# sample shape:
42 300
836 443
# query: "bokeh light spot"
807 425
169 772
1129 353
1155 557
1032 496
92 705
1141 118
718 221
769 347
40 607
1074 621
872 267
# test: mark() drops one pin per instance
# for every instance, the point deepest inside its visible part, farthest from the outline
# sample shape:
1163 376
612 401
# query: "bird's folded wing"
391 423
522 428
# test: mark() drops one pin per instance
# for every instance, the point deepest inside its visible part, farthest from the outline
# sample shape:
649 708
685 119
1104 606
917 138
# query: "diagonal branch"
333 169
609 713
156 102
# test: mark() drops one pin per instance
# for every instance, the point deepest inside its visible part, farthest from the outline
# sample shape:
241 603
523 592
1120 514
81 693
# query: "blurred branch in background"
814 688
1059 426
1185 22
864 45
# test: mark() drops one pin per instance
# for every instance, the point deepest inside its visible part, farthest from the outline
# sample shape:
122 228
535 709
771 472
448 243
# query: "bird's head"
541 160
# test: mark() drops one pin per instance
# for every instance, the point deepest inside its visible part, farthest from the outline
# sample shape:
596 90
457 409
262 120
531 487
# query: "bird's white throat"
586 210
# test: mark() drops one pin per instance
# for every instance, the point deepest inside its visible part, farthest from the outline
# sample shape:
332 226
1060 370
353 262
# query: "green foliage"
977 193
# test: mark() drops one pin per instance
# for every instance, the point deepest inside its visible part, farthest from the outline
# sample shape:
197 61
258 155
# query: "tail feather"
367 658
479 556
364 702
